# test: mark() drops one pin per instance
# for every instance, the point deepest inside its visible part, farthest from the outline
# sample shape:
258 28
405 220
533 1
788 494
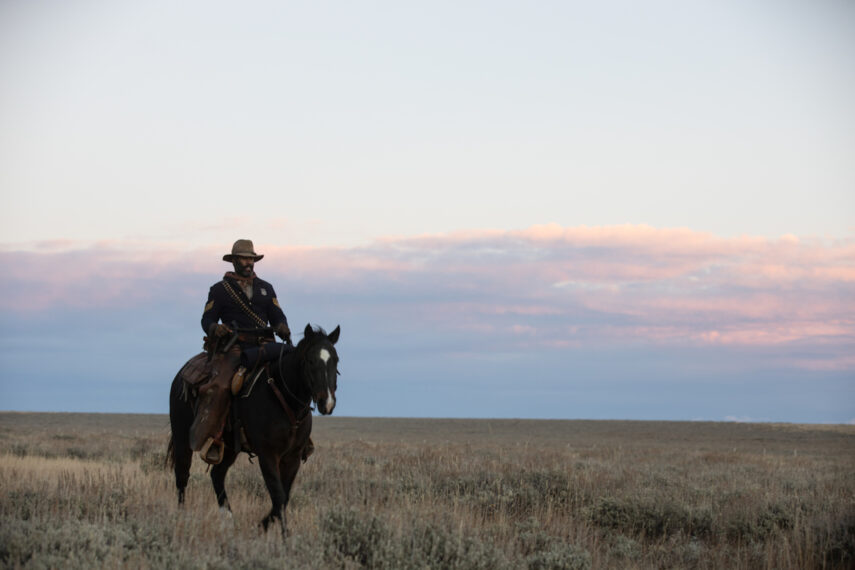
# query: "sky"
607 210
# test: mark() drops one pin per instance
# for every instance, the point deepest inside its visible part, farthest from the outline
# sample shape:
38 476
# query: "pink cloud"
546 285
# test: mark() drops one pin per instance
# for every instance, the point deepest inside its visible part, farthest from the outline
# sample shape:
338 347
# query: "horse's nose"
326 402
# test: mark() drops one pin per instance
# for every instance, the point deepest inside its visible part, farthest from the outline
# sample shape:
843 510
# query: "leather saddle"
199 369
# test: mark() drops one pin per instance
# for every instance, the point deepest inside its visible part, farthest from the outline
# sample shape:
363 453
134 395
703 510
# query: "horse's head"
319 361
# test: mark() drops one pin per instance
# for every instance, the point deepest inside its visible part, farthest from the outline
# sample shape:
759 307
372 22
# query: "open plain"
91 490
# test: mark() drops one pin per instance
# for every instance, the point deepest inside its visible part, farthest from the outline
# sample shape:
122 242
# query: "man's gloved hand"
283 332
219 330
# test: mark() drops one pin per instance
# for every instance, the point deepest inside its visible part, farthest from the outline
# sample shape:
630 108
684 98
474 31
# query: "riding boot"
213 406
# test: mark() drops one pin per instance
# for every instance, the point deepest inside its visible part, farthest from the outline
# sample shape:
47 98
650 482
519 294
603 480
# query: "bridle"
305 406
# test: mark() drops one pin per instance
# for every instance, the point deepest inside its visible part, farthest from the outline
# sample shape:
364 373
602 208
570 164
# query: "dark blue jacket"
222 307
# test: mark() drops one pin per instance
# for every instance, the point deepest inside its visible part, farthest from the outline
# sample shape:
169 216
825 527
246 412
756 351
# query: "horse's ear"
308 331
333 336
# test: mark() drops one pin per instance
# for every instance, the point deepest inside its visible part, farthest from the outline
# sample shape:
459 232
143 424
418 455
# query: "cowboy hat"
242 248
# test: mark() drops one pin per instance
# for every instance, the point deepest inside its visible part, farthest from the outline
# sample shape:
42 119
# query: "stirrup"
212 451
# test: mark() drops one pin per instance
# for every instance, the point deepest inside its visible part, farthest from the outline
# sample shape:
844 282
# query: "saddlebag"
197 370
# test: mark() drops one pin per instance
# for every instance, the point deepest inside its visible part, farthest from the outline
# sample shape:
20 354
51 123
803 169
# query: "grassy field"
84 490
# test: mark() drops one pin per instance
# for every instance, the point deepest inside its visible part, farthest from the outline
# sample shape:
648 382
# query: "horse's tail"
169 460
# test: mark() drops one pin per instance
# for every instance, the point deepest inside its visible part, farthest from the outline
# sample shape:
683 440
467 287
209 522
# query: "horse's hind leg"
182 458
218 478
182 472
179 453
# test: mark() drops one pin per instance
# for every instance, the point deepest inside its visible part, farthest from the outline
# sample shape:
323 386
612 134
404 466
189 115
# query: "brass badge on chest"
264 291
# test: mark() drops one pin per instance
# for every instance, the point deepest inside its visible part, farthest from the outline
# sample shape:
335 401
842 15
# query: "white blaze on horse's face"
330 403
324 355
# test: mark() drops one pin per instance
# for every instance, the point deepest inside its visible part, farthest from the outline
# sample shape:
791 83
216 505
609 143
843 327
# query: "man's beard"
244 271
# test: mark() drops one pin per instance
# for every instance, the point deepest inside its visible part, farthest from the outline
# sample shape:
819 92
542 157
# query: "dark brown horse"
271 418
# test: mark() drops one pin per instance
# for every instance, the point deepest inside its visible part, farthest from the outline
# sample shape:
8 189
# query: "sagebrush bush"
651 518
543 551
352 535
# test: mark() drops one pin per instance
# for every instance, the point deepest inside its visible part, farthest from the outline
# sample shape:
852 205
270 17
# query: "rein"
294 421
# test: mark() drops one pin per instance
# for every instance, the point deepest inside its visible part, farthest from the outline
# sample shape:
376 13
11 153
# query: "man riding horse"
240 301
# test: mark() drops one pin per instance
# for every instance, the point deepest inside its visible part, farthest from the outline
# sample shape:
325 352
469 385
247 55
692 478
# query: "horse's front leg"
270 470
289 465
218 478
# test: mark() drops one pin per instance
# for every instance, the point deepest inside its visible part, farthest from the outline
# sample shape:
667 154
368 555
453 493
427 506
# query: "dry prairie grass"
84 490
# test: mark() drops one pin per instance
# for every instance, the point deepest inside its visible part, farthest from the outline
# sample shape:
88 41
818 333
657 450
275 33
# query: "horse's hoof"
267 521
308 450
227 519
